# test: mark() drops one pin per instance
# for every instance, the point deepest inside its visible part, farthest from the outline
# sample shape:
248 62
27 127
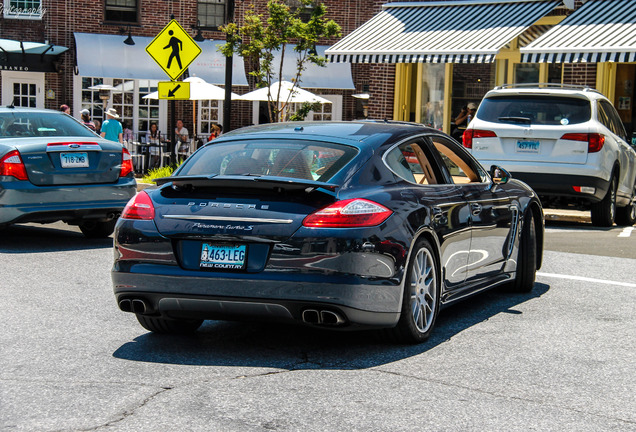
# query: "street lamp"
364 100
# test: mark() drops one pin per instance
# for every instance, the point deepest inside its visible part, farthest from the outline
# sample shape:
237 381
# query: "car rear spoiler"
252 182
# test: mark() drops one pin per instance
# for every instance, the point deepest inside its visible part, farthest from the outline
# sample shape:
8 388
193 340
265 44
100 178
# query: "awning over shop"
599 31
100 55
28 56
331 76
439 32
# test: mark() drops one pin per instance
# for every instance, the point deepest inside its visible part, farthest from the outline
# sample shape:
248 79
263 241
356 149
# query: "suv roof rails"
548 85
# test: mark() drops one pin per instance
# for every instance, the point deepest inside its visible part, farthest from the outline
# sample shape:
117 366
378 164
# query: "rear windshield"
543 110
40 124
295 159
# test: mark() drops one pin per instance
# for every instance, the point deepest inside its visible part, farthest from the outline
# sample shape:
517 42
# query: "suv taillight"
126 163
11 165
595 141
469 134
351 213
139 207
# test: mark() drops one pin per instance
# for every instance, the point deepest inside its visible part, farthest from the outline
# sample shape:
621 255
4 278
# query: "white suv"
567 142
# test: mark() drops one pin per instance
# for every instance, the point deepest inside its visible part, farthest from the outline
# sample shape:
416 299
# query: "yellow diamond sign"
174 90
173 49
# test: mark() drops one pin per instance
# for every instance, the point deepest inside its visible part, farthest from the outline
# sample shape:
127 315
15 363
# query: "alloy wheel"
423 285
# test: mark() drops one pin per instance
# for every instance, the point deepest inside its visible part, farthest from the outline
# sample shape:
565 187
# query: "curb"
567 216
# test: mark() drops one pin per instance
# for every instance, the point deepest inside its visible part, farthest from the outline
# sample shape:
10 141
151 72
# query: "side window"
410 162
617 124
460 168
603 116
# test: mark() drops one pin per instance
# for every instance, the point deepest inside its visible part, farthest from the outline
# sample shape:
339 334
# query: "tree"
259 39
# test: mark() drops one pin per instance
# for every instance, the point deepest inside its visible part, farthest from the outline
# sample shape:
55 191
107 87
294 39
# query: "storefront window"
90 98
148 109
123 100
433 95
208 115
526 73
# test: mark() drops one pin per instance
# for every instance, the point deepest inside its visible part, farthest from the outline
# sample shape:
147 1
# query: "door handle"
475 208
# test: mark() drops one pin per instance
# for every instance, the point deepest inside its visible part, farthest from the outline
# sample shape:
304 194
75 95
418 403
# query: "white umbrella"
200 90
298 95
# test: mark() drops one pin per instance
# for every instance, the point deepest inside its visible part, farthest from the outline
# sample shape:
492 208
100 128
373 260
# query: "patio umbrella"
298 95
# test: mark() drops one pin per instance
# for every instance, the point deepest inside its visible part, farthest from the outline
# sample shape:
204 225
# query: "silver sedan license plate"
229 257
74 160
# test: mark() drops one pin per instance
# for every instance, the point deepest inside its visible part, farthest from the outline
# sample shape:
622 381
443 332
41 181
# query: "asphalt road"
561 358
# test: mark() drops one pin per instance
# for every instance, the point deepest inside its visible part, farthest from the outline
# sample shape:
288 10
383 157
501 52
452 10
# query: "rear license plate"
528 146
74 160
229 257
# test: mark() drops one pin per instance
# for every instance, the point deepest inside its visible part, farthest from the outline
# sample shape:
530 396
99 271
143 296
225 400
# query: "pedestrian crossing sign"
173 49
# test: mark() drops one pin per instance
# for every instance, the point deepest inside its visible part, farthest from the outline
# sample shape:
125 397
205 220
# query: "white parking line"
585 279
626 232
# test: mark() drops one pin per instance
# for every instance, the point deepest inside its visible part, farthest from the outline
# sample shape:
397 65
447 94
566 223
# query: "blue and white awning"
599 31
439 32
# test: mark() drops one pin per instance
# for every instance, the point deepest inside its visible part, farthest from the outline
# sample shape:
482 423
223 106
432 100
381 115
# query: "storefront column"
448 97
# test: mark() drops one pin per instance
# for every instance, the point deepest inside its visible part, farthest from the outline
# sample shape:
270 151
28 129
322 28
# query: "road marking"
585 279
626 232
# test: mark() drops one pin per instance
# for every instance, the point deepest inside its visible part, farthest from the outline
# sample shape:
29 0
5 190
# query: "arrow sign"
173 90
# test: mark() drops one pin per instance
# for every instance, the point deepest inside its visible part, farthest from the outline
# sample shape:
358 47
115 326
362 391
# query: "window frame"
7 14
204 26
137 15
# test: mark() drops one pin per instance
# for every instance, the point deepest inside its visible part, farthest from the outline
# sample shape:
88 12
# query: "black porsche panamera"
337 224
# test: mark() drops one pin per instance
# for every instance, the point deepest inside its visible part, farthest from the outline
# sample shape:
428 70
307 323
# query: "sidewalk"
566 215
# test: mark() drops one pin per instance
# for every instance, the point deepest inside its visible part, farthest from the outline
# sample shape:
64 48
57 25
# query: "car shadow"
17 239
246 344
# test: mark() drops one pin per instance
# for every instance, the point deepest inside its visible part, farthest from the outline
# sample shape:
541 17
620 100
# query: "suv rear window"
289 158
543 110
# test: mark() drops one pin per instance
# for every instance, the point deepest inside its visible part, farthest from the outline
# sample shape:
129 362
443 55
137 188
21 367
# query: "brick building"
429 90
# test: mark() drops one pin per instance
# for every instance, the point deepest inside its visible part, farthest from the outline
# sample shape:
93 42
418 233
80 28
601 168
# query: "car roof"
355 132
8 108
546 90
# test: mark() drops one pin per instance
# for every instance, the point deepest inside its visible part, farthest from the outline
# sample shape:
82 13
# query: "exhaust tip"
311 316
139 306
331 318
125 305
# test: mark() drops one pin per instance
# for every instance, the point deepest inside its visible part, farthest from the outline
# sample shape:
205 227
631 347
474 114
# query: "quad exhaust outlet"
322 317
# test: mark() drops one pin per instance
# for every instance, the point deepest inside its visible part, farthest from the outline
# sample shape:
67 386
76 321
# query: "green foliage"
302 112
155 173
260 37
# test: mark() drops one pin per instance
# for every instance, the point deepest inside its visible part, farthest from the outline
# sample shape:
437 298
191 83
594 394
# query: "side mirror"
499 175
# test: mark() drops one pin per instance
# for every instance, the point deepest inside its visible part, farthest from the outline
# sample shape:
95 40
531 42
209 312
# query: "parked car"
53 168
568 144
397 221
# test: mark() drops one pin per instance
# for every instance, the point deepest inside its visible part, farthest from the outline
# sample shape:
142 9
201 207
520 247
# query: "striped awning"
439 32
599 31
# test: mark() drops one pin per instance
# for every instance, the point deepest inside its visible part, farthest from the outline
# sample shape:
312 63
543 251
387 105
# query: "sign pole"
227 103
173 126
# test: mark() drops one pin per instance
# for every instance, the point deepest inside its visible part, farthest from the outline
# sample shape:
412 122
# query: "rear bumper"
265 297
562 186
21 201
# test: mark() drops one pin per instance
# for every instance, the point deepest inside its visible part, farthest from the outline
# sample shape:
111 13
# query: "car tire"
527 258
94 229
168 326
604 212
626 216
421 298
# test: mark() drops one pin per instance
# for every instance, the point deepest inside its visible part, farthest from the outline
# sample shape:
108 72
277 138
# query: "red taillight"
469 134
126 163
351 213
595 141
139 207
11 165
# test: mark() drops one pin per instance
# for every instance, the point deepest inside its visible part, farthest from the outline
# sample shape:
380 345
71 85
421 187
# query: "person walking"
111 128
